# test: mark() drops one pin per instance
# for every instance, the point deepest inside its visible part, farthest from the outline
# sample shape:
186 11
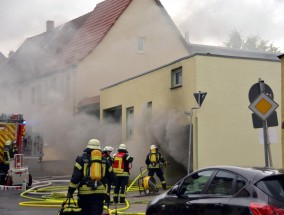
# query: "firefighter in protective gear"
7 152
90 176
106 153
121 167
14 148
154 162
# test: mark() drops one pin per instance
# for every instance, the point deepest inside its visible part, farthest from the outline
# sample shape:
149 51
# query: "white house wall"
116 57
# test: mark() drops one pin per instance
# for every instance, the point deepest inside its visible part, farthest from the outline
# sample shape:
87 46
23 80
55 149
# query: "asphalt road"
53 171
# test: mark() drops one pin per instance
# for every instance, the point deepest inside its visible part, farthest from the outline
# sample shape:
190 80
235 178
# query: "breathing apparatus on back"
96 172
153 155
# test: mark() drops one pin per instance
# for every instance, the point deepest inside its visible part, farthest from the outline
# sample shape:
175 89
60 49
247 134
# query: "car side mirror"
175 190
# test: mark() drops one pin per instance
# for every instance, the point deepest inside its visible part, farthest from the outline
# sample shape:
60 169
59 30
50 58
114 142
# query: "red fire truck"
13 130
12 127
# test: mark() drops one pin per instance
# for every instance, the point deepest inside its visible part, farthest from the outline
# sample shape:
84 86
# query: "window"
141 45
273 186
195 183
129 121
240 190
177 77
222 183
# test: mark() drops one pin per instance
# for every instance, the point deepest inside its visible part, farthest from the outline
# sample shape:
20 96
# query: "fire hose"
51 199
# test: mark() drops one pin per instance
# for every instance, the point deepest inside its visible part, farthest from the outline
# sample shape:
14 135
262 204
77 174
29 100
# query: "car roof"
253 174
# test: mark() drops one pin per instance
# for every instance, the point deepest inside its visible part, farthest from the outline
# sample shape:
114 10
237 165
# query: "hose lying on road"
46 194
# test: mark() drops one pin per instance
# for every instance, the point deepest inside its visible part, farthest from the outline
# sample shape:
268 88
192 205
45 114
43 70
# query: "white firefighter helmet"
122 146
108 149
8 143
94 144
153 147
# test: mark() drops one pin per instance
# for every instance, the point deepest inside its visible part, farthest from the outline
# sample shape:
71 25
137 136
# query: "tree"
253 42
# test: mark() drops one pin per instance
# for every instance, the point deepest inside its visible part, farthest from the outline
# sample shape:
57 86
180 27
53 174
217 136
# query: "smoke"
166 129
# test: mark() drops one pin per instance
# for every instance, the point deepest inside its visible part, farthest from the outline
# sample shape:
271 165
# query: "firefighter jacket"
108 157
6 156
81 180
122 163
155 160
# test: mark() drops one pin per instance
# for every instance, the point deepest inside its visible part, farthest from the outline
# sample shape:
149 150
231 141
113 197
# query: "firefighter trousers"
91 204
120 184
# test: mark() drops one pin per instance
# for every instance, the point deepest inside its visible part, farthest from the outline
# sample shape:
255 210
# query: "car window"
240 189
273 186
222 183
195 183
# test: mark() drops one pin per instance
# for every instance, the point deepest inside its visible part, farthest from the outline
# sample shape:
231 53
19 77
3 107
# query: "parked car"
224 190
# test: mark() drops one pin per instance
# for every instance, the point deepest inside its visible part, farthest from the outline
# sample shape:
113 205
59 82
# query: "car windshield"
273 186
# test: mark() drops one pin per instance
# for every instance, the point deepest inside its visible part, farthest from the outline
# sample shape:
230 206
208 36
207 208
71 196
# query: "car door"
239 203
215 199
190 189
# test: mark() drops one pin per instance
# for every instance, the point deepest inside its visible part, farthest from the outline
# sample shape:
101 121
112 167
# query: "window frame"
141 44
176 77
129 121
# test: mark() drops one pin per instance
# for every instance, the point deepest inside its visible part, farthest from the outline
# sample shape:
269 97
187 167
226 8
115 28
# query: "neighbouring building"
64 68
153 107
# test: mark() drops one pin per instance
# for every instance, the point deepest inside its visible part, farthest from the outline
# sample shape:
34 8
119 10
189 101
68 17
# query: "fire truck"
13 128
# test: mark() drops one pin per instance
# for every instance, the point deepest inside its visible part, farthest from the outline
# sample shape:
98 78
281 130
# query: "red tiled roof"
99 22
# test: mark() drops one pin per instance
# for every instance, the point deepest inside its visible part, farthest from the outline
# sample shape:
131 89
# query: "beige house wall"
225 123
282 105
116 57
223 130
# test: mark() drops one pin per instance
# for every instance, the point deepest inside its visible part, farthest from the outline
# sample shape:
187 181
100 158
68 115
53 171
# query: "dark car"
224 190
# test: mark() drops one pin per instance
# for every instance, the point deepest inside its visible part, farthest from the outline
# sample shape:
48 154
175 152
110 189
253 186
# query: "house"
63 69
281 57
158 111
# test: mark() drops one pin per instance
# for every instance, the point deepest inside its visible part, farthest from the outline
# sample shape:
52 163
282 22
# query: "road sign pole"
200 96
265 137
190 148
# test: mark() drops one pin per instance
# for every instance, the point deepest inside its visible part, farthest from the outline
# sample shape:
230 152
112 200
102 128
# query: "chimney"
49 26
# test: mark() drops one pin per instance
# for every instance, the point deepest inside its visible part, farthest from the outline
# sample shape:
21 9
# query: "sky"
208 22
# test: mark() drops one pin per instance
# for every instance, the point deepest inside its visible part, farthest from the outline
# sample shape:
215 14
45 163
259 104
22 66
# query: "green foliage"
253 42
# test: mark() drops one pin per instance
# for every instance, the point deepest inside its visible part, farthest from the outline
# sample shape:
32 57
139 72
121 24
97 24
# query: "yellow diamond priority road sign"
263 106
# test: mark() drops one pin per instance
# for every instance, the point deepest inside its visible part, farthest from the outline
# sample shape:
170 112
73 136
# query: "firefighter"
106 153
121 166
8 150
14 149
154 162
91 173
